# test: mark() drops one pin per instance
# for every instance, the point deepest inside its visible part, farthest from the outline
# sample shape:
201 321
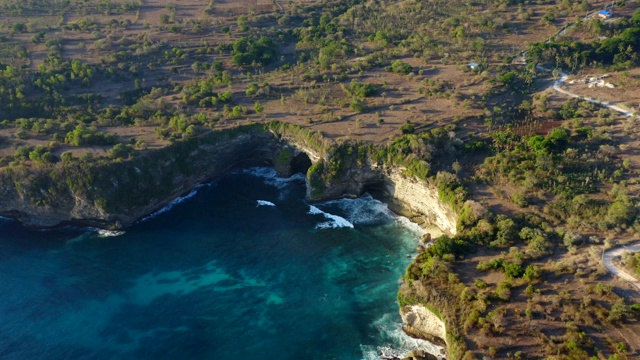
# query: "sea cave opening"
300 163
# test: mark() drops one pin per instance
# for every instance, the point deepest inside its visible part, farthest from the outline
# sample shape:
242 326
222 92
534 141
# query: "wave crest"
335 220
109 233
271 177
265 203
173 203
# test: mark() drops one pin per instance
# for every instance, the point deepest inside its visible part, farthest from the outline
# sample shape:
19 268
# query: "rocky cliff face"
422 323
420 197
115 194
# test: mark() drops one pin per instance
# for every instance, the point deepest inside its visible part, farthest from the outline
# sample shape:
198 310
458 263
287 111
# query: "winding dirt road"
563 78
607 260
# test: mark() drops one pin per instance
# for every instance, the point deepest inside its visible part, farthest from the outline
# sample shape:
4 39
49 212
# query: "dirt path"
607 259
563 78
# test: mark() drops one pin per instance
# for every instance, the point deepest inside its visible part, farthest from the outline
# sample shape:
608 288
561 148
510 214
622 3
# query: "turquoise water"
243 268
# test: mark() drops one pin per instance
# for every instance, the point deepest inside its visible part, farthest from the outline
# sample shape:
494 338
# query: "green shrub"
399 67
362 90
532 273
408 128
259 108
357 105
121 151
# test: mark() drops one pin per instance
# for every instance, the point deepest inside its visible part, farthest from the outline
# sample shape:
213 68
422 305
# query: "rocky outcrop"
420 355
420 197
422 323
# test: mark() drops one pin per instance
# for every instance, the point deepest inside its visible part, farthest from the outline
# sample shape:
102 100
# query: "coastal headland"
508 126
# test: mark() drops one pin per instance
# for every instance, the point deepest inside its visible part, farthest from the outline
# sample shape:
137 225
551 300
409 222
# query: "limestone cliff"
423 323
421 197
113 194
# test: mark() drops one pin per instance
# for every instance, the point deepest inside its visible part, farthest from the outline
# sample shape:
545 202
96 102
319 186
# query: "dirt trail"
563 76
607 260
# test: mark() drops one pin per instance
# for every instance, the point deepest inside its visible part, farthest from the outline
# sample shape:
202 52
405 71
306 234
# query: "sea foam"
173 203
271 178
109 233
366 210
265 203
397 344
91 231
335 220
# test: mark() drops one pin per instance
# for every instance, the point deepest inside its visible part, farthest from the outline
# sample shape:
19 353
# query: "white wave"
410 225
315 211
265 203
90 231
336 221
395 342
172 204
271 177
364 210
109 233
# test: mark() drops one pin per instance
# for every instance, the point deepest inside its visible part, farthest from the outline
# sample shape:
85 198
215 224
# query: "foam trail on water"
265 203
397 344
410 225
109 233
102 232
91 231
336 221
172 204
271 177
364 210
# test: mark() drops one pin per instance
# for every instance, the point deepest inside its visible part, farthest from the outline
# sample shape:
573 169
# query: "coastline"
416 199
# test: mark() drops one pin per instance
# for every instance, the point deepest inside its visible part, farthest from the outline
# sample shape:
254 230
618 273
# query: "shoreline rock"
422 323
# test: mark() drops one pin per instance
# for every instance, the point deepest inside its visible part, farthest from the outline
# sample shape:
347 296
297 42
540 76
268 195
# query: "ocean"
243 267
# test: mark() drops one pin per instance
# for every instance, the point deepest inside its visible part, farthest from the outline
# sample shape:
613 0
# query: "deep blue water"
219 275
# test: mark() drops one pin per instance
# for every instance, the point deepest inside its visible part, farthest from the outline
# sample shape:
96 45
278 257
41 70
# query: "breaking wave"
271 177
334 222
173 203
265 203
366 210
109 233
396 343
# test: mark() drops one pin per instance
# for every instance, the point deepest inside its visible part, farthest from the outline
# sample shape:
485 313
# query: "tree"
408 128
258 108
620 212
66 156
121 151
399 67
246 51
357 105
